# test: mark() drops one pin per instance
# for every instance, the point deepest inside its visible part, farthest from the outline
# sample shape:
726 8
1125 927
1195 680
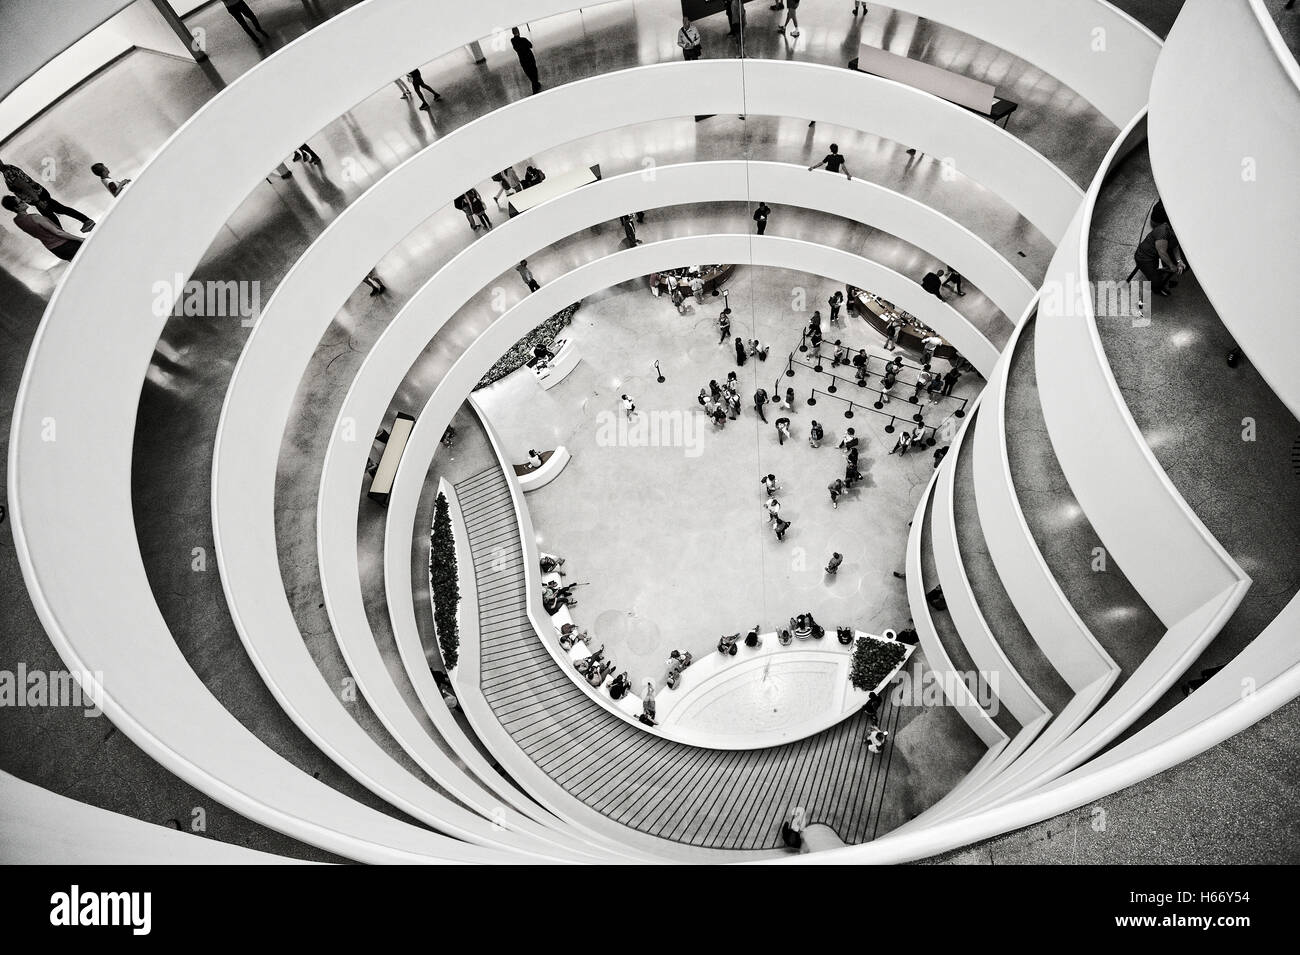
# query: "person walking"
477 210
887 384
724 325
779 528
788 404
760 216
833 162
688 38
928 345
836 488
769 484
32 193
892 331
418 85
953 277
629 229
244 15
833 565
815 435
740 351
697 289
526 274
303 154
733 404
773 508
527 59
950 379
859 3
849 442
629 407
376 284
760 399
791 16
835 301
113 186
782 430
62 244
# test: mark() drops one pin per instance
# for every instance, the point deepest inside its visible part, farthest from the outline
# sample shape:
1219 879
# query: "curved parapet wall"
1224 136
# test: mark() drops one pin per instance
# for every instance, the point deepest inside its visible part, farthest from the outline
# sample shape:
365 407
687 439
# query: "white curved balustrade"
1046 612
1224 134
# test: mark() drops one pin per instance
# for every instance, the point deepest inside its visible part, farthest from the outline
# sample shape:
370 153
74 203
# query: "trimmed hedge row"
445 583
522 351
873 660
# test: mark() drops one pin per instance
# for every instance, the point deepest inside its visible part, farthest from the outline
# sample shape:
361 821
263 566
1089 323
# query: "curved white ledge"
548 472
972 627
1166 552
954 687
1043 607
1227 172
40 827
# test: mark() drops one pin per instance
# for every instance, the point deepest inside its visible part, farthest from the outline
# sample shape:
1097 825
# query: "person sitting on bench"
801 627
727 644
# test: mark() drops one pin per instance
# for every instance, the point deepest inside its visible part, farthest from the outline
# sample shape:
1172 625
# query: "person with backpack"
833 565
815 435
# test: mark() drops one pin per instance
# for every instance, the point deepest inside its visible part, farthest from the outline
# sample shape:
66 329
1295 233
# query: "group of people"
36 212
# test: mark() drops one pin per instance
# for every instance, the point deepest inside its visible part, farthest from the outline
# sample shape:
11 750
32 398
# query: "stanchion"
661 378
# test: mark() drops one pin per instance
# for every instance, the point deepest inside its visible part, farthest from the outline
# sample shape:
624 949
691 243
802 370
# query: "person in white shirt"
629 408
688 38
114 187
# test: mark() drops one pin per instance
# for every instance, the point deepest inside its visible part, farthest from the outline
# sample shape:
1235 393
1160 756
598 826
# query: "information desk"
876 312
553 186
974 95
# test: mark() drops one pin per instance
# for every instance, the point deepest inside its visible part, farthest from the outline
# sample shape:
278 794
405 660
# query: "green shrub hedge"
445 584
873 660
521 351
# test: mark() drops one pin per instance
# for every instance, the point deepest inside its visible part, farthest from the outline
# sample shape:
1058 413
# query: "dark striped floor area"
701 797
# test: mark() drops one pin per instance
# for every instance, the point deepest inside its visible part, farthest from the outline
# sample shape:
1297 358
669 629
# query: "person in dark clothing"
1160 258
418 84
953 277
527 61
56 241
760 400
740 350
950 379
760 216
724 325
833 162
244 16
305 154
629 229
939 454
936 599
933 283
835 301
32 193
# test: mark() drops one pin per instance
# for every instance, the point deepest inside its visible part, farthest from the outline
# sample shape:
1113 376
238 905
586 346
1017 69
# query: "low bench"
381 485
553 186
971 94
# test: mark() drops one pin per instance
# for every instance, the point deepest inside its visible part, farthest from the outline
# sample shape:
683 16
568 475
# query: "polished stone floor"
144 98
